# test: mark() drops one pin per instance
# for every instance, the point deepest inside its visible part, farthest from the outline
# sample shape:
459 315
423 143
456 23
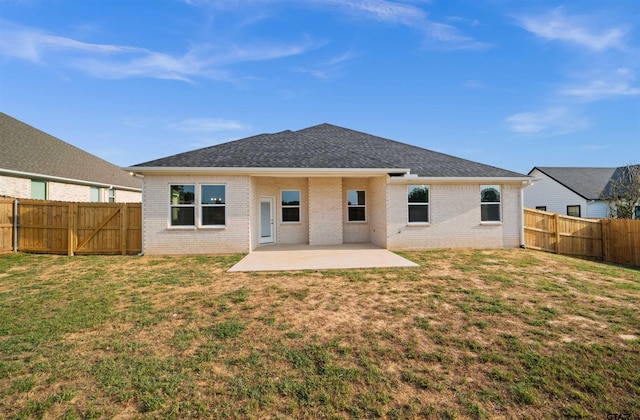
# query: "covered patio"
319 257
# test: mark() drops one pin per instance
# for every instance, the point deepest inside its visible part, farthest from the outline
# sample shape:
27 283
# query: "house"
325 185
34 164
579 192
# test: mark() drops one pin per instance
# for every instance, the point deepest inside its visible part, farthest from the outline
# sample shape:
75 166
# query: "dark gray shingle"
589 183
27 149
328 146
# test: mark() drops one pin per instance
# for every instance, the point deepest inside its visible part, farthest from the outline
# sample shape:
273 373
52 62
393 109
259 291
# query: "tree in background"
623 192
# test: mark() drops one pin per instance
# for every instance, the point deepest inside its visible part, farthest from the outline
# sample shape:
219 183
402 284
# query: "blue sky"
514 84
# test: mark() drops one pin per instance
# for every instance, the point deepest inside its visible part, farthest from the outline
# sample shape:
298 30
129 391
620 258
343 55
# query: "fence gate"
77 228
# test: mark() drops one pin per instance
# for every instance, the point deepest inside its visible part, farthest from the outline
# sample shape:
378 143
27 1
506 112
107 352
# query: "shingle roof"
27 149
586 182
331 147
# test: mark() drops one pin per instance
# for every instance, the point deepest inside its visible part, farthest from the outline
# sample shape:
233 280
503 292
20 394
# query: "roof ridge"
379 162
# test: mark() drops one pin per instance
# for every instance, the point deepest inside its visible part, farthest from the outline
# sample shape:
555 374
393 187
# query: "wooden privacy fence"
612 240
71 228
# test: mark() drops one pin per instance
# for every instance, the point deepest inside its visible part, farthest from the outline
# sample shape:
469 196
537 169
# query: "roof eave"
253 171
525 181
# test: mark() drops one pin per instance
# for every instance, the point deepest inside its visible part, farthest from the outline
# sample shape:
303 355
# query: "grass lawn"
470 334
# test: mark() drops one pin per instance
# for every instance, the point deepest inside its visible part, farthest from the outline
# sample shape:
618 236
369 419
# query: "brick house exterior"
325 185
34 164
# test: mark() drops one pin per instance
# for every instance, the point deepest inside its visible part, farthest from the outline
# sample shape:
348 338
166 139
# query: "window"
418 200
212 202
112 195
38 189
543 208
637 213
183 209
573 211
490 203
94 194
291 206
356 206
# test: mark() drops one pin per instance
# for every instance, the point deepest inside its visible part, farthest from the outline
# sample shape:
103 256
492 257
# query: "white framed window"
356 206
212 205
290 200
38 189
418 203
182 207
490 204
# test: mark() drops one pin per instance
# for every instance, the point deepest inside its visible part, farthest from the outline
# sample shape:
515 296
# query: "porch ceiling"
306 257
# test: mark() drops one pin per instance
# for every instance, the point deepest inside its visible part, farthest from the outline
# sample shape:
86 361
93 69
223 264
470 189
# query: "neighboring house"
34 164
325 185
578 192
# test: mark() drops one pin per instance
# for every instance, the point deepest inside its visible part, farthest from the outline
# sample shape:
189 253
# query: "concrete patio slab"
306 257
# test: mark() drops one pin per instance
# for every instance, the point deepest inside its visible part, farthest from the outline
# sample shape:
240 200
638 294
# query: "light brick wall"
123 196
15 187
377 211
286 233
325 211
60 191
455 219
159 238
355 232
67 192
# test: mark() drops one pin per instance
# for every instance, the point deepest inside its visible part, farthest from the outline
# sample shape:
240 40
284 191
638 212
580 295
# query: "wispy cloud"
616 84
473 84
437 34
553 121
119 62
381 10
328 68
207 125
577 30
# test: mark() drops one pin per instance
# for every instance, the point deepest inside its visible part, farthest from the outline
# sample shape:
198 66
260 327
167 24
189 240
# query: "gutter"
68 180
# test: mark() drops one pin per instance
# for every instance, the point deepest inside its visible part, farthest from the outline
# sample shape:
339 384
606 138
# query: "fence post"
124 225
73 229
15 225
604 223
556 217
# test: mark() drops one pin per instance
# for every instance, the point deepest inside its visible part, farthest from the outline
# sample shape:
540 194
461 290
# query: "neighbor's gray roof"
586 182
27 149
331 147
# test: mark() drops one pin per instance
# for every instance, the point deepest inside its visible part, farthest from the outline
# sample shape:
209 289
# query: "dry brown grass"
470 334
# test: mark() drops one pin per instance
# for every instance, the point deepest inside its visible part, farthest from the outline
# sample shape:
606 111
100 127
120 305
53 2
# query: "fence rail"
71 228
611 240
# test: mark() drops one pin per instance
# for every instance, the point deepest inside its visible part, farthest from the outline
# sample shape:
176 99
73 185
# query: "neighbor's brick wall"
60 191
377 211
15 187
455 219
355 232
68 192
286 233
325 211
159 238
